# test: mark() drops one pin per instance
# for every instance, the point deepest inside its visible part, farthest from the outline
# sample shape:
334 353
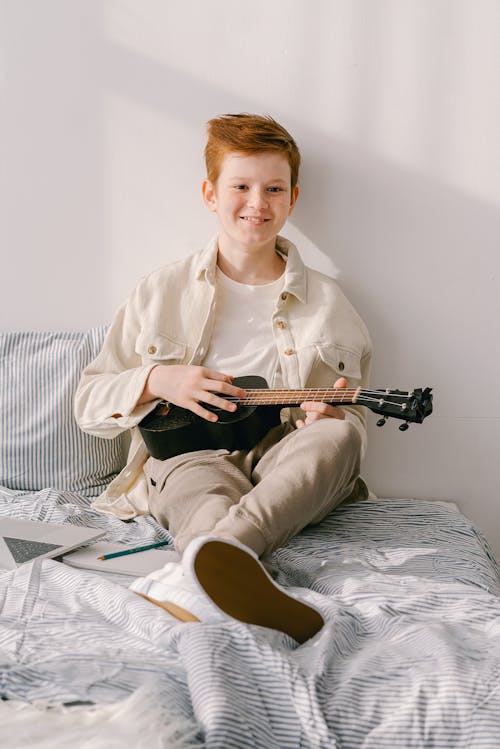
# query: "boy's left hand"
316 410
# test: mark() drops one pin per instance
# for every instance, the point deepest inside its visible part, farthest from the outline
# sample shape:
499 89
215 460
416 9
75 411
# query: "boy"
244 305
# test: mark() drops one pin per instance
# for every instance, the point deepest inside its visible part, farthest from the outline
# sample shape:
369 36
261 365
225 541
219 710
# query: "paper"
139 564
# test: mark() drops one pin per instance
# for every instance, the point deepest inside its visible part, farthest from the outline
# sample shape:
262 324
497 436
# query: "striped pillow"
41 445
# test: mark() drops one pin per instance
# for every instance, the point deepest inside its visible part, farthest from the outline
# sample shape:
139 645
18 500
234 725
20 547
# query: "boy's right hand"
188 385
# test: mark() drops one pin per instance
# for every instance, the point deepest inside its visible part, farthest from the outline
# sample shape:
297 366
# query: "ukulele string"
261 396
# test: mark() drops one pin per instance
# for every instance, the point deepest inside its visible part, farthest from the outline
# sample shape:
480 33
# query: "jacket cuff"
129 413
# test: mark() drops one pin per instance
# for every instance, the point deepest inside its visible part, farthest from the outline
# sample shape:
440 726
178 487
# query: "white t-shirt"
242 341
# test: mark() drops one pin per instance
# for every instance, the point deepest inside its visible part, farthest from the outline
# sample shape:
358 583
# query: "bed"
409 657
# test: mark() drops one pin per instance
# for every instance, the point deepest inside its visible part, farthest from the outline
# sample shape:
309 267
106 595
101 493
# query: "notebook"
23 541
139 564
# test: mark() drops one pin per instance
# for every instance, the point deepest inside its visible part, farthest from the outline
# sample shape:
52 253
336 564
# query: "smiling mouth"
254 219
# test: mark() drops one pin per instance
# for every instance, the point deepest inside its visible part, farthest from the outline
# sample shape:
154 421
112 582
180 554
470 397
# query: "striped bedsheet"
409 657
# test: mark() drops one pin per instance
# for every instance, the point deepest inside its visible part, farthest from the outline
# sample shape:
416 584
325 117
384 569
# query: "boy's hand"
316 410
187 385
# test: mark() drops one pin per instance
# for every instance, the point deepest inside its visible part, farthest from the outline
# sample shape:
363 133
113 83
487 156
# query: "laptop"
23 541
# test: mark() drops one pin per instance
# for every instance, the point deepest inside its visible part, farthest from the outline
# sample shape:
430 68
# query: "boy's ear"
208 192
295 195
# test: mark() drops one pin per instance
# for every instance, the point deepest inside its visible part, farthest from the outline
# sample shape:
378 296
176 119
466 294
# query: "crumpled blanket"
409 657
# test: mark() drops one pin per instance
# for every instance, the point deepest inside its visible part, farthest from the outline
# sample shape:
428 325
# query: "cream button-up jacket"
169 318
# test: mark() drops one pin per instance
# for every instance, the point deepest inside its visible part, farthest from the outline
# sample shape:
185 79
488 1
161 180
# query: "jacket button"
152 349
289 351
341 366
284 296
281 324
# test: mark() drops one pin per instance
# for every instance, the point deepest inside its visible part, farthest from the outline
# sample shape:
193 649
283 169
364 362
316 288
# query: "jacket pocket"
344 362
156 347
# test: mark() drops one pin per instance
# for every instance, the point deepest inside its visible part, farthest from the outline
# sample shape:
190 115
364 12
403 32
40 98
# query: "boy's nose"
257 198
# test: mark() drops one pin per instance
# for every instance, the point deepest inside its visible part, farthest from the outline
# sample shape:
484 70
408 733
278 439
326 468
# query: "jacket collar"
295 271
206 262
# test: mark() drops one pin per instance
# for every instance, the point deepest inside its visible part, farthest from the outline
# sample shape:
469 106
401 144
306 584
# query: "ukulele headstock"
412 406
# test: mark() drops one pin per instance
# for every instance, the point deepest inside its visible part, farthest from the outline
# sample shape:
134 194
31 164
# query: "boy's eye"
272 188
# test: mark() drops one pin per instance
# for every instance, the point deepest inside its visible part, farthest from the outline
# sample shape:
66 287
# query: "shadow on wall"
409 247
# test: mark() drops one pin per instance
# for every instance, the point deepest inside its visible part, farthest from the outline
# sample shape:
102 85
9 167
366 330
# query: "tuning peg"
381 422
403 427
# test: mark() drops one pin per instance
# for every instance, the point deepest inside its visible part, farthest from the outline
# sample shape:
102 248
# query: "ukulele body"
171 430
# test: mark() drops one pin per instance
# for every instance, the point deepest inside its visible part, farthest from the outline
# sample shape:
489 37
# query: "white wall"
396 107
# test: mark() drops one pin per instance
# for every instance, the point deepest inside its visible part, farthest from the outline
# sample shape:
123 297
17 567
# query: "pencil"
134 551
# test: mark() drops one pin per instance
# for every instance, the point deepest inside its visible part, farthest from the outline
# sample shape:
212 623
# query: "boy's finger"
340 383
316 409
214 399
219 386
316 406
213 374
200 411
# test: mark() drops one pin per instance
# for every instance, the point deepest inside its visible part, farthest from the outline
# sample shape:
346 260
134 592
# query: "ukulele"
170 430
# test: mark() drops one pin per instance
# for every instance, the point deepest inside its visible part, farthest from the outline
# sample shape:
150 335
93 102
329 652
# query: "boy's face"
252 198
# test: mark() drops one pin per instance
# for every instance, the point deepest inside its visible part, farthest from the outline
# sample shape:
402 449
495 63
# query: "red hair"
248 134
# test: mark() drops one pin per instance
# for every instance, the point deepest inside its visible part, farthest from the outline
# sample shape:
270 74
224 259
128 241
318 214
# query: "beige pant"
261 497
